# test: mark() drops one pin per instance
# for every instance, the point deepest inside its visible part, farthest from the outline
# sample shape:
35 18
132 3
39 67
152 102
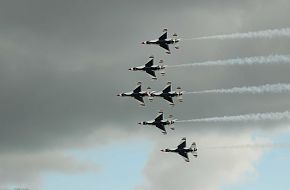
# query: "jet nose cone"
143 42
131 69
119 94
162 150
140 123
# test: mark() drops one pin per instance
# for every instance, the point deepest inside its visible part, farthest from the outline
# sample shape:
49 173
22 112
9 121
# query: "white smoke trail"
271 59
268 88
283 32
266 145
248 117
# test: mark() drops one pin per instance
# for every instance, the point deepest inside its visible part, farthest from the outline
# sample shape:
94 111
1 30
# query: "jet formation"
167 94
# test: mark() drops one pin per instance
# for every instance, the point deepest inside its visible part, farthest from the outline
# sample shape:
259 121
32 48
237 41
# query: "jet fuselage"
181 150
158 42
133 94
142 68
166 94
163 122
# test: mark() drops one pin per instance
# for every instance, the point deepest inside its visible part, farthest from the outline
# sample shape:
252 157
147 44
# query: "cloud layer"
63 61
211 170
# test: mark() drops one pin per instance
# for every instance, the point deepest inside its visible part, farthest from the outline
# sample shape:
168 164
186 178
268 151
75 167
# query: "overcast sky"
62 62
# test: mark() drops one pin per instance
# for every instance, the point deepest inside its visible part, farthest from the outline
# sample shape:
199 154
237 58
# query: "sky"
62 62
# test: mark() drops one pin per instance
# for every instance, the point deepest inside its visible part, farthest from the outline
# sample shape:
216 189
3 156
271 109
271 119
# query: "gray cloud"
28 168
62 62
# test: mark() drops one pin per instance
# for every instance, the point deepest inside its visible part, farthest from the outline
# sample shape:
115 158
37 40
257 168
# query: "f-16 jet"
150 68
182 150
160 123
167 94
137 94
164 42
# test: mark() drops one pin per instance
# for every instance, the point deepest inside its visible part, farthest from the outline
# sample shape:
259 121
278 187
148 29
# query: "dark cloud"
62 63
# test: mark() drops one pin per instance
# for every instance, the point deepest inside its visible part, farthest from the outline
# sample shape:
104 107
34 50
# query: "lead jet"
167 94
164 42
160 123
150 68
137 94
182 150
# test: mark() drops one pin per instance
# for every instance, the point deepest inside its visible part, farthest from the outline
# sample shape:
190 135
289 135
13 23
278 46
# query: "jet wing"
149 64
159 117
150 72
163 37
182 143
167 88
140 100
137 89
165 46
184 155
169 99
162 128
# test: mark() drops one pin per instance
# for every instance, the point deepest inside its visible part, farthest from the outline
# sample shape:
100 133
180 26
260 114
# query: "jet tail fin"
179 96
193 146
171 122
149 92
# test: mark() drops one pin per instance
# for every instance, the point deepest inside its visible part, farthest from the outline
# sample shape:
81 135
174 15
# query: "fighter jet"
160 123
150 68
164 42
182 150
137 94
166 94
